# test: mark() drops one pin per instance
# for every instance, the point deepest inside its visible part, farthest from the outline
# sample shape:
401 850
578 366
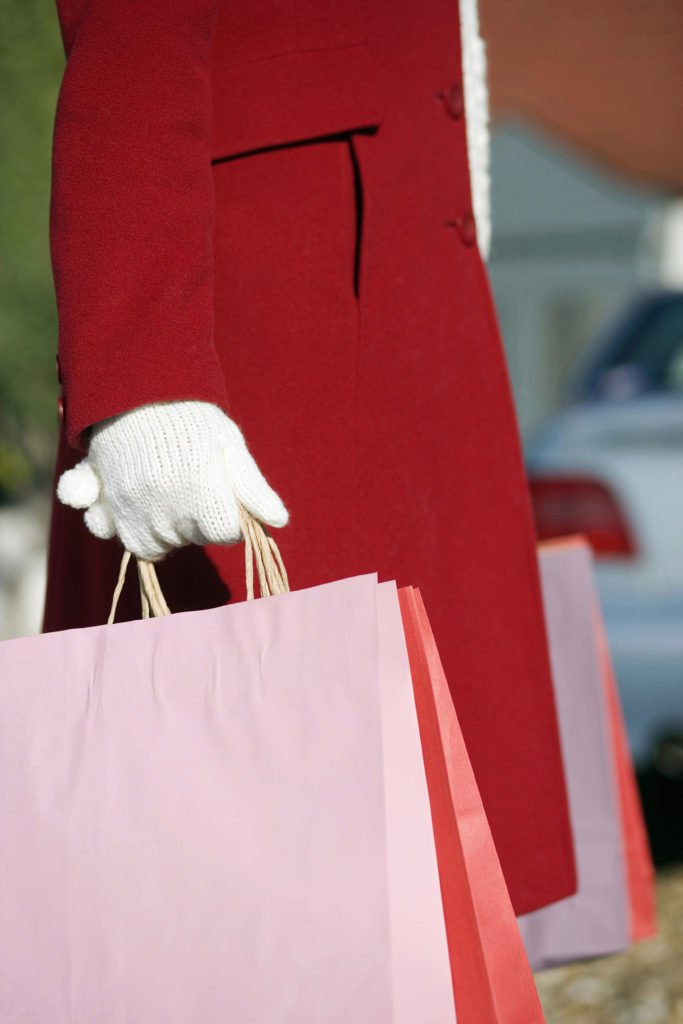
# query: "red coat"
267 206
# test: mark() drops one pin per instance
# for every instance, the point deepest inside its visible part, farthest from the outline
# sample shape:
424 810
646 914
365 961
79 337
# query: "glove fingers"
217 518
256 495
219 521
143 543
79 487
101 523
163 477
98 519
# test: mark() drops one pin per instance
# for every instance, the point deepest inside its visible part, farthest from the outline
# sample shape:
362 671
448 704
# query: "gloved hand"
169 474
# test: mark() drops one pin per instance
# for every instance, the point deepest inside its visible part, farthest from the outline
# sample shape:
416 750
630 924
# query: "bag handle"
259 549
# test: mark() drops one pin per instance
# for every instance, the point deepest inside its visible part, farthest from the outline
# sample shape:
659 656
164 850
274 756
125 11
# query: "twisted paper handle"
259 549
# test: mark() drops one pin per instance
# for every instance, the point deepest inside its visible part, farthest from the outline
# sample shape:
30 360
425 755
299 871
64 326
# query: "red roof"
605 75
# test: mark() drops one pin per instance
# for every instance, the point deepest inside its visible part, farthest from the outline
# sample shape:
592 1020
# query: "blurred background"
587 270
31 63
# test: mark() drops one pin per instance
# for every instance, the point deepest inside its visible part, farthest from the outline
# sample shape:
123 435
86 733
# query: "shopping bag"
492 979
219 816
611 851
640 873
422 977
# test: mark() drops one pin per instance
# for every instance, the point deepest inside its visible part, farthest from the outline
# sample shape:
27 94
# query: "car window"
650 356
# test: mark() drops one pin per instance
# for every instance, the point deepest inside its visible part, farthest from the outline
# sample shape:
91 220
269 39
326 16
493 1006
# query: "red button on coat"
466 227
454 101
60 408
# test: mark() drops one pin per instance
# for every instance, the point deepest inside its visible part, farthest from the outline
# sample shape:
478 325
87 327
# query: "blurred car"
610 466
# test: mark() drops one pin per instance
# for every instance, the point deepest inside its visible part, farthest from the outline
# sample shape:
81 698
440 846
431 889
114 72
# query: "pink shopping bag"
220 816
614 902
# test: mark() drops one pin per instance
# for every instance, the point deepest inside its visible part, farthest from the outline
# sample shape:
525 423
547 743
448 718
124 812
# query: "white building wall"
570 244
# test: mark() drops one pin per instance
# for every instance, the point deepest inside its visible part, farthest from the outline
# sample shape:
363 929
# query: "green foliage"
31 64
15 471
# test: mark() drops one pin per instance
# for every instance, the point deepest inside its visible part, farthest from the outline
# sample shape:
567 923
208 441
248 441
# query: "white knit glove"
169 474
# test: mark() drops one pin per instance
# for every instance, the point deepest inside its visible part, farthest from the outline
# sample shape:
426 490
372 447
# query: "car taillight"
569 505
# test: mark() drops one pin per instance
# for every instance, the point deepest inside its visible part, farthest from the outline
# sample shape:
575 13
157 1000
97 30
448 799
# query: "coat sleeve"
131 217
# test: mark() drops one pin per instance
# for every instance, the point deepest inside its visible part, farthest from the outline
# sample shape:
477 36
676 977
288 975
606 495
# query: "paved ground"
643 986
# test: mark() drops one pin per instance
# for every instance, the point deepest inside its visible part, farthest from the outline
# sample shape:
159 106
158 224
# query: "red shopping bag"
492 979
637 857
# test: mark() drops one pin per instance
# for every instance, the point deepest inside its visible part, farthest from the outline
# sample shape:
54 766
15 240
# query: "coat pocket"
359 142
350 192
291 97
